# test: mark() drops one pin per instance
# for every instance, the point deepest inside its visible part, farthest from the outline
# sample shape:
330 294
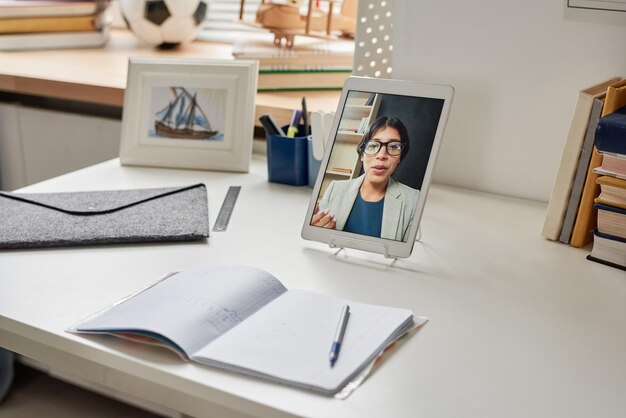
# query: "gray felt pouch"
103 217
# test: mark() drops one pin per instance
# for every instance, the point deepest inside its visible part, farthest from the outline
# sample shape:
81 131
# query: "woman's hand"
323 218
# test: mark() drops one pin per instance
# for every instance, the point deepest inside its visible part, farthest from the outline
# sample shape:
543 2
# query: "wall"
517 67
420 118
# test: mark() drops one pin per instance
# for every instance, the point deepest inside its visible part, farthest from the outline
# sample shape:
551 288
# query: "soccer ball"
165 23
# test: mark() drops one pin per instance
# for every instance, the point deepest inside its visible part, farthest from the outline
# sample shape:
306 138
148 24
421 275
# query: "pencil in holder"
287 158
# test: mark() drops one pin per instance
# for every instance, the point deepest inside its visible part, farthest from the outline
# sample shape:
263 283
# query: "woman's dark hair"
380 123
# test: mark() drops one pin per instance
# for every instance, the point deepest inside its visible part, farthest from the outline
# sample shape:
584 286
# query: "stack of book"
588 201
311 64
609 242
571 215
43 24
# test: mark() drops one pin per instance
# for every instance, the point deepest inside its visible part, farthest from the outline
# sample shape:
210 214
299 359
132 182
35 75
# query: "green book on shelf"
270 80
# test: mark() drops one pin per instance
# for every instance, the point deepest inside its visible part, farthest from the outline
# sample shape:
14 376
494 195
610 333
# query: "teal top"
399 206
365 218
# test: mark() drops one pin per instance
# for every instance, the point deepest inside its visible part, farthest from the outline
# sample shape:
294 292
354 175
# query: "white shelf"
353 112
349 136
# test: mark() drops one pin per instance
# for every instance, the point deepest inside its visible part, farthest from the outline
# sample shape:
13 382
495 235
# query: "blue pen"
341 330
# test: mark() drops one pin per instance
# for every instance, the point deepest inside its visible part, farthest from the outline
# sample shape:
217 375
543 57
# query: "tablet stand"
344 250
340 242
335 243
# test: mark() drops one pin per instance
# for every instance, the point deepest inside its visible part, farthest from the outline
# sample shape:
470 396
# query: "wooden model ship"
285 21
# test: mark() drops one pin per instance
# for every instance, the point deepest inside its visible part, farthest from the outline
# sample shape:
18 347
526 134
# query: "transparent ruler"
221 223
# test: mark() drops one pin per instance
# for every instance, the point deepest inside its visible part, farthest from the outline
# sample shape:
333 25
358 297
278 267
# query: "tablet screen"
378 165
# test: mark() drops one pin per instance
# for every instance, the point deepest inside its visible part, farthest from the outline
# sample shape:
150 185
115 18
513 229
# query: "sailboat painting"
187 113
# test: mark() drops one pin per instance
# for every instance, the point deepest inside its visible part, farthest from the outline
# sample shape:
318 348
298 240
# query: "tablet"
373 180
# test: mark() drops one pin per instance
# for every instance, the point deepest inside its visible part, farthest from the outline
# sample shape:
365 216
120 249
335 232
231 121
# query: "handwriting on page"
194 308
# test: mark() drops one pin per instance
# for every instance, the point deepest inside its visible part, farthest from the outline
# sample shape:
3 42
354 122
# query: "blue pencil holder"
313 164
287 158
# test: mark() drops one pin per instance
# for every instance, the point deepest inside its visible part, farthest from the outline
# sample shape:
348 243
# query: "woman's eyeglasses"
394 148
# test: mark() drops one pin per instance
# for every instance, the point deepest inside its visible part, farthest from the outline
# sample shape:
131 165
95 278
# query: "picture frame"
190 113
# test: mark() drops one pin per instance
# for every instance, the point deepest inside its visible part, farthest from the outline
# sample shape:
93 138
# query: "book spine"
613 165
581 172
305 71
606 263
615 98
608 202
301 80
612 221
304 68
559 198
270 89
597 233
611 133
52 40
612 192
613 253
586 220
74 8
47 24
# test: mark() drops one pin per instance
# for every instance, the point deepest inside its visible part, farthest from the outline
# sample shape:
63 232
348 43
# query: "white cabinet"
38 144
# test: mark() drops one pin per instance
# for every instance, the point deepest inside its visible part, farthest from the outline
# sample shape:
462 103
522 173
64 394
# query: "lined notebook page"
289 340
192 308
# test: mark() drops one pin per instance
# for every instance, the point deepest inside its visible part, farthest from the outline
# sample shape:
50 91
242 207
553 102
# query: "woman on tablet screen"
373 204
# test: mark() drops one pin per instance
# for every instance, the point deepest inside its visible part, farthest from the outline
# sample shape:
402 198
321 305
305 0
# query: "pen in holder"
287 158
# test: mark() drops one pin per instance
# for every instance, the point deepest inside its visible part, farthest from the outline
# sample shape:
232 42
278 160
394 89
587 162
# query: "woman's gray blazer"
398 209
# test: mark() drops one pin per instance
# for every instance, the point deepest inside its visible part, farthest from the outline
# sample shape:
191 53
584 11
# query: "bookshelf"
98 76
89 94
361 109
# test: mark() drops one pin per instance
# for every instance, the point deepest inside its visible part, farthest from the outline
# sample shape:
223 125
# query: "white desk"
520 327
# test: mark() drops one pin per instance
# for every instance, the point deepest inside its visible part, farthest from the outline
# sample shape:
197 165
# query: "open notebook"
243 319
